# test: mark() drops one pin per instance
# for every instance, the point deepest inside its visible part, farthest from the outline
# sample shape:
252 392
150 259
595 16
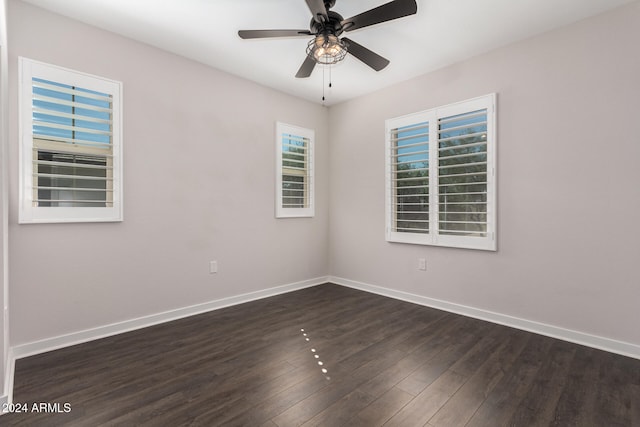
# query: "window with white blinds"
410 181
441 176
294 177
71 145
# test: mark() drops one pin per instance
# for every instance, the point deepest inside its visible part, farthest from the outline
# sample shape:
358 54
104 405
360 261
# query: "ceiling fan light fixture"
326 26
327 49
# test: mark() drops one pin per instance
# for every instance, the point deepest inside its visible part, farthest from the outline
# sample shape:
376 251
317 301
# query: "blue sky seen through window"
69 111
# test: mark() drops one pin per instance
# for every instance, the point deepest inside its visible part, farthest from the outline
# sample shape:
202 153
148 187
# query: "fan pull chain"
323 70
323 82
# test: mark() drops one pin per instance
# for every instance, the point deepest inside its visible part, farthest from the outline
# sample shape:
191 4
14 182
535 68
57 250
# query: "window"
70 151
294 177
441 176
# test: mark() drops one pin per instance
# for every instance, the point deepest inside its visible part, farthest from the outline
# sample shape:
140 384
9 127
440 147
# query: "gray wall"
199 185
568 182
199 178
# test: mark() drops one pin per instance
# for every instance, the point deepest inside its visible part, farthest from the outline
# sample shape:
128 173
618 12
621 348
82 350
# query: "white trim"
432 117
4 400
79 337
27 213
577 337
4 201
8 378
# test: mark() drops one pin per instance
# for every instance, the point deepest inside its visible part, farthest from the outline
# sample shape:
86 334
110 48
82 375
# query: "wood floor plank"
382 409
634 390
612 401
341 411
419 410
387 362
279 402
389 377
305 410
380 363
465 402
502 402
447 355
490 340
539 404
576 404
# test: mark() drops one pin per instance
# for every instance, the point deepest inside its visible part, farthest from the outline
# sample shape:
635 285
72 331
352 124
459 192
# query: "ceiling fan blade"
318 10
306 68
392 10
370 58
260 34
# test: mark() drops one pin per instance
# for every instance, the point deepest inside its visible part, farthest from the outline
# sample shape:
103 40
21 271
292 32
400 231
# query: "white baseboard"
54 343
601 343
49 344
8 380
4 401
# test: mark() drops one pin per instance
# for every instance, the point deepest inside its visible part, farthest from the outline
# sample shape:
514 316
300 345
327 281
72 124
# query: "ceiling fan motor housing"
332 26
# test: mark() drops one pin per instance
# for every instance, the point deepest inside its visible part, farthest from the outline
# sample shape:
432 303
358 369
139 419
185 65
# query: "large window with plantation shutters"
441 176
71 145
294 171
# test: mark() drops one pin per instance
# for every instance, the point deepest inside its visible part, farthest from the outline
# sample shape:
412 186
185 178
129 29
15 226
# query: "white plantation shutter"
410 180
295 171
462 174
441 176
294 177
72 146
70 125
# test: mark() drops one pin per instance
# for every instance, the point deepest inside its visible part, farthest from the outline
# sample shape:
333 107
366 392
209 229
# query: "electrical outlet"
422 264
213 267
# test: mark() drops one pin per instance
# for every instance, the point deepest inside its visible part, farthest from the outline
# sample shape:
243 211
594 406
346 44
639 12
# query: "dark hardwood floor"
387 362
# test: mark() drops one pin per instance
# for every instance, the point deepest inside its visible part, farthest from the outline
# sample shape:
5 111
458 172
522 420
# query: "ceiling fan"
326 26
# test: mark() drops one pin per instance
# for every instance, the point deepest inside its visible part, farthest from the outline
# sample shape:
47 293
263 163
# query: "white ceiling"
441 33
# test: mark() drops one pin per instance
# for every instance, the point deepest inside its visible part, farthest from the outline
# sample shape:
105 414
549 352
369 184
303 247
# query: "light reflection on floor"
316 356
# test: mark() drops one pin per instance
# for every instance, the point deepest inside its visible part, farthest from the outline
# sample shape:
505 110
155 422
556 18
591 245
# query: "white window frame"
432 237
308 134
28 213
